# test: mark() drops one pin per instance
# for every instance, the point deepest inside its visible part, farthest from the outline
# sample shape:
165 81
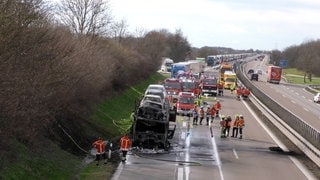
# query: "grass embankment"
48 163
295 76
114 116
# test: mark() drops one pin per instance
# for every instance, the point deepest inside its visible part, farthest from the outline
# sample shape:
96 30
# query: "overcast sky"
239 24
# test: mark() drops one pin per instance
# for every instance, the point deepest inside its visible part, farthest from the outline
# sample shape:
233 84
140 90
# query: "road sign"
283 63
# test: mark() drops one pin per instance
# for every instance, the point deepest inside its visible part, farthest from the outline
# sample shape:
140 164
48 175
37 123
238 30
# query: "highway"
294 97
194 154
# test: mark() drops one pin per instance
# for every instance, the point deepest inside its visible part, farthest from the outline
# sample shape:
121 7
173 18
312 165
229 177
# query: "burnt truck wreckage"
151 127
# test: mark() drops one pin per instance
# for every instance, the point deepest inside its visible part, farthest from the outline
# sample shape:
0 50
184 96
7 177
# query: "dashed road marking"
235 153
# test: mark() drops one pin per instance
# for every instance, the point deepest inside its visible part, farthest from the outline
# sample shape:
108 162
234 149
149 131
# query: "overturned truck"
151 127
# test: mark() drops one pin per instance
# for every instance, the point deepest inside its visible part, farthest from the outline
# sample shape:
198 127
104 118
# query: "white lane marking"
180 173
297 93
183 135
281 145
235 153
116 175
300 166
293 101
184 124
215 149
284 95
306 109
303 97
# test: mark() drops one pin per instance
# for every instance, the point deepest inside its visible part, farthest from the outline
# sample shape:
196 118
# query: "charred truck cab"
151 127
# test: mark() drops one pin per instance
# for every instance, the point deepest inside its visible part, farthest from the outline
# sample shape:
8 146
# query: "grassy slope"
295 76
51 162
118 109
48 163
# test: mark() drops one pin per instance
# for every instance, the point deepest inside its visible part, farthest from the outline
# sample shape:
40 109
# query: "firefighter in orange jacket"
213 112
125 144
101 150
208 114
223 125
239 92
241 125
228 125
245 92
217 107
235 126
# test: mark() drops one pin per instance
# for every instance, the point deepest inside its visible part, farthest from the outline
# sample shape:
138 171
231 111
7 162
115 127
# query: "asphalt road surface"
194 154
294 97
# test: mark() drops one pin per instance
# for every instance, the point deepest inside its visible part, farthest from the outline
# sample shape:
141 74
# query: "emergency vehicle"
210 86
230 79
189 85
173 87
185 103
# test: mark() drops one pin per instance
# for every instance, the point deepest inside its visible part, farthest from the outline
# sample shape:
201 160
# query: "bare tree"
85 17
119 30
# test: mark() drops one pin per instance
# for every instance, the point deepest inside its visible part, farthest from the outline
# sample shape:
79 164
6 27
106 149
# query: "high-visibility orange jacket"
229 123
241 123
213 111
125 143
201 112
217 106
208 111
99 145
246 92
239 91
236 123
223 123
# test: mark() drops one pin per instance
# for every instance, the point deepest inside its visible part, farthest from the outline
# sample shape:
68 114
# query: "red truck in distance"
189 85
274 74
210 86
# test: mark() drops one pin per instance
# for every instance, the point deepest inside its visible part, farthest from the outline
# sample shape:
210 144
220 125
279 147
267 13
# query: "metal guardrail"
299 125
314 88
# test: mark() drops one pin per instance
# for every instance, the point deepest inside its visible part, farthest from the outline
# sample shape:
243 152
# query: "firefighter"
245 92
228 125
208 115
239 93
241 125
201 113
125 144
100 146
222 126
217 107
235 126
213 112
195 115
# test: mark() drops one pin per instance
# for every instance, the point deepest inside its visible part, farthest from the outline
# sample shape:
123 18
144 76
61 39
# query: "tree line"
304 57
59 60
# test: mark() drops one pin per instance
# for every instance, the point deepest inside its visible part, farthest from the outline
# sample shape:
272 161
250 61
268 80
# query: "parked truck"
176 68
223 68
274 74
166 65
173 87
210 86
151 127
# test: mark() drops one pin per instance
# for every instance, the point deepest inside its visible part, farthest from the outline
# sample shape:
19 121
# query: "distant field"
295 76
